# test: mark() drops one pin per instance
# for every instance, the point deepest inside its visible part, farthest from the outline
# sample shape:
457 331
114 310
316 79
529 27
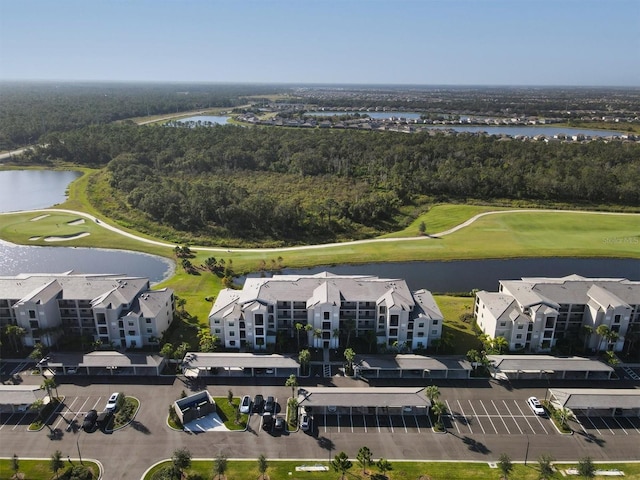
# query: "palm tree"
220 465
15 333
602 331
349 356
364 458
349 326
587 331
505 465
304 357
230 397
299 328
292 382
15 465
181 460
586 468
432 392
612 337
439 409
262 465
317 335
562 415
341 463
545 464
500 344
384 466
56 462
48 384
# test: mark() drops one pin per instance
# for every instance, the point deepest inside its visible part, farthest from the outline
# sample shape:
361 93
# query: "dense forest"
29 110
290 185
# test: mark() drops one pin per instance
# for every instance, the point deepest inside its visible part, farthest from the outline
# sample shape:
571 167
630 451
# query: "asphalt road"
491 418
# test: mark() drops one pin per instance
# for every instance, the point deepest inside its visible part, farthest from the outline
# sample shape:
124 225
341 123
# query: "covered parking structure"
19 398
103 363
367 400
411 366
521 367
597 401
198 364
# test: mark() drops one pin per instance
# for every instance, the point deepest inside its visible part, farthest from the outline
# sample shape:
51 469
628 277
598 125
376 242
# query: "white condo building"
113 309
360 305
534 313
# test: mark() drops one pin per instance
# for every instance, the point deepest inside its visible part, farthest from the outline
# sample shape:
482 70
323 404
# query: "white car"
245 405
535 405
305 422
112 404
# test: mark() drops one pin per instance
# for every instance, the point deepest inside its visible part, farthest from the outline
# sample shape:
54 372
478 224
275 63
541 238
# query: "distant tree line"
278 183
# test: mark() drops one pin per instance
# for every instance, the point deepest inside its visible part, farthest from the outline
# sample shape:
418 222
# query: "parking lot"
415 421
601 426
496 417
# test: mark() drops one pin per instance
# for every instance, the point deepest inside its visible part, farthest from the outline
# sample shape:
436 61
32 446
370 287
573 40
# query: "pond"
466 275
204 120
17 259
32 189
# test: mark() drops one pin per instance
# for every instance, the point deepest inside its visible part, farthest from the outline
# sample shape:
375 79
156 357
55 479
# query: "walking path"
324 245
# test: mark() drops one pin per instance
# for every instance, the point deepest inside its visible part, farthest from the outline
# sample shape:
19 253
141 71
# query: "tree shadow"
140 427
475 446
326 443
55 434
591 438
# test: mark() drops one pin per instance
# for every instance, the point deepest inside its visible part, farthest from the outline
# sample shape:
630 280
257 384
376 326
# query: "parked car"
305 422
332 409
245 405
270 405
89 423
535 405
267 421
279 424
258 403
112 403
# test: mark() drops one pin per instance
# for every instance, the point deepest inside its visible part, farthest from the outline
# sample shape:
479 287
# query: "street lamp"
78 447
526 453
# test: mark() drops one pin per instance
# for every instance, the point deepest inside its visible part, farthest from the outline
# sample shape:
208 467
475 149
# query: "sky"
417 42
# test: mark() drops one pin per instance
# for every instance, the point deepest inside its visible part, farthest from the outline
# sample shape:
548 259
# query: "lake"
465 275
376 115
32 189
16 259
219 120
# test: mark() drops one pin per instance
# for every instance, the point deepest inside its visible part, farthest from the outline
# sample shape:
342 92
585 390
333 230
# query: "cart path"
444 233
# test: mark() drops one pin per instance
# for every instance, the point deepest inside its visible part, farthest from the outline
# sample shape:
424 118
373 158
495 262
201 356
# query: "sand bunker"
79 221
34 238
39 218
64 239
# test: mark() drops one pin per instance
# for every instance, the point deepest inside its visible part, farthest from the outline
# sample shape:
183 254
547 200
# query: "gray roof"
585 398
238 360
20 394
104 359
362 397
151 303
412 362
573 289
542 363
496 303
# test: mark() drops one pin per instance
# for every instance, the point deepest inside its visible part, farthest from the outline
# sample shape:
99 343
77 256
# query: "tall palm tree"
439 409
432 392
304 357
602 331
587 331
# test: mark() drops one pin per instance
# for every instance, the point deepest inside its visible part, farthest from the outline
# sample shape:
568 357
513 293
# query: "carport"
411 366
372 400
18 398
597 401
105 363
198 364
521 367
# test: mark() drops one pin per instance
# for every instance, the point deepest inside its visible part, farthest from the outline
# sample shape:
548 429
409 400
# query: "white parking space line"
390 423
623 429
63 413
607 425
364 421
465 417
501 418
525 417
415 418
630 423
95 405
338 420
478 418
514 418
351 420
490 420
452 416
378 423
19 423
594 426
325 422
8 418
405 425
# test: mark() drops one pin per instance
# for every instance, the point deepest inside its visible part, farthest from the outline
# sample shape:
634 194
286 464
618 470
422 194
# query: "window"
421 325
326 325
435 322
216 322
259 331
383 309
130 323
519 336
231 324
33 324
232 333
32 314
393 332
549 323
217 330
421 334
149 330
232 343
147 320
520 327
131 333
616 319
503 324
326 315
434 332
259 319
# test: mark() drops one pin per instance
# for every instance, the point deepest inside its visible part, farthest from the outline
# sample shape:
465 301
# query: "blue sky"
458 42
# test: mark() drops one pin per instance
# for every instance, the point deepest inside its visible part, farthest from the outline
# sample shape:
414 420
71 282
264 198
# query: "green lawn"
39 469
227 413
248 470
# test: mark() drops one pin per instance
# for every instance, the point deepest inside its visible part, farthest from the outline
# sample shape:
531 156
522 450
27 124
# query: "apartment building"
328 308
533 314
113 309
